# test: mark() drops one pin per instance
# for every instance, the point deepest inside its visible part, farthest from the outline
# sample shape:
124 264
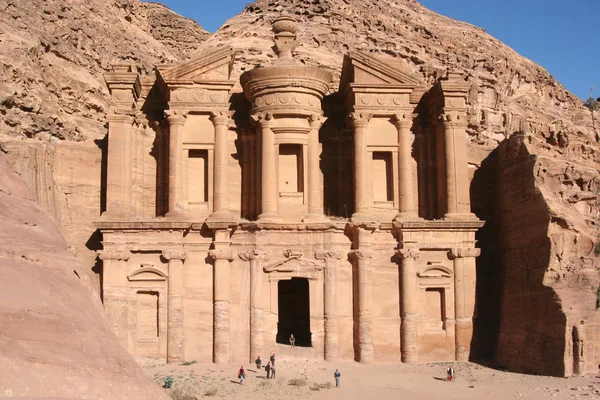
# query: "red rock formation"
54 340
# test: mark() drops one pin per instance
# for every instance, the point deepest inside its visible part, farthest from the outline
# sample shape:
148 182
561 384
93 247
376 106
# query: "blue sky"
563 36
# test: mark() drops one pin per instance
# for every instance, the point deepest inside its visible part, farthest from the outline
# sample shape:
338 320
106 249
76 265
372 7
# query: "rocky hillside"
53 55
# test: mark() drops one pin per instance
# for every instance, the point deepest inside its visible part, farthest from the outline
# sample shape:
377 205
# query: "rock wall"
54 340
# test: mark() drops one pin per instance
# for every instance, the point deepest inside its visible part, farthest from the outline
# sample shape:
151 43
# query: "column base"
317 220
176 215
407 216
269 217
364 219
461 216
221 220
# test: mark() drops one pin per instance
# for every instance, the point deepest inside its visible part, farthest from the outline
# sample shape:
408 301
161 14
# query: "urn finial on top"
285 37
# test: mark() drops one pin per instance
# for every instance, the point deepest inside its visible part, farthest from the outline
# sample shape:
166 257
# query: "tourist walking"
272 359
450 373
258 362
241 375
337 375
268 369
292 340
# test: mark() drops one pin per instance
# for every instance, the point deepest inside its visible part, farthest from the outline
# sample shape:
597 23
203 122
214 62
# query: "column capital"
114 255
454 119
252 255
221 118
316 121
174 254
464 253
404 254
221 254
402 121
119 118
359 120
328 255
360 255
263 119
176 117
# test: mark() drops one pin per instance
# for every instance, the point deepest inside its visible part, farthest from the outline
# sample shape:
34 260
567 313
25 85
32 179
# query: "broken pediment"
364 69
214 65
147 274
435 271
294 265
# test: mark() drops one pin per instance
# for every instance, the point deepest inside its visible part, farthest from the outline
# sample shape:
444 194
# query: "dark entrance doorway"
294 312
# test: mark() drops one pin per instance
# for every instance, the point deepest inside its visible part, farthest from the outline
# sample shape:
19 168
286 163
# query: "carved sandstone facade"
240 213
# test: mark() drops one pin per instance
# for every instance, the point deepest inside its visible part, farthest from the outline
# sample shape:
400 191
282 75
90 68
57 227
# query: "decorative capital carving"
402 121
252 255
359 120
114 255
464 253
221 254
316 121
221 118
174 254
408 253
360 255
328 255
263 119
289 253
175 117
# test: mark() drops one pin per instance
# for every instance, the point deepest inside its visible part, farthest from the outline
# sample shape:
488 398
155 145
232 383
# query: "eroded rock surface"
54 341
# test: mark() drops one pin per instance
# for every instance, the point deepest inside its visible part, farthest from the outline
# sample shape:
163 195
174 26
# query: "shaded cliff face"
54 340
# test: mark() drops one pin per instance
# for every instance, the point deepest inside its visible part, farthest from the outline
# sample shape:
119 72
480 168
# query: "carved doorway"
294 311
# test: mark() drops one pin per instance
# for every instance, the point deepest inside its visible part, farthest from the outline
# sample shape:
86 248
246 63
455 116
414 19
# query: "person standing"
450 373
241 375
337 375
272 371
258 362
292 340
268 369
272 359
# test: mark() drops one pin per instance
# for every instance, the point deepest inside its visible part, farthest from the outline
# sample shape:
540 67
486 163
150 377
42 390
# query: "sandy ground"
381 382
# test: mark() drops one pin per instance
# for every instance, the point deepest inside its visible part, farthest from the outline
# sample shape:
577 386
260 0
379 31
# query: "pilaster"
175 314
222 255
269 186
176 120
315 184
360 122
407 203
362 260
257 323
332 344
410 306
221 121
465 276
114 288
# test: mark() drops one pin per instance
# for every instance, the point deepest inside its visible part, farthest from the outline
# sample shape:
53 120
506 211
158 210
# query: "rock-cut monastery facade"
239 212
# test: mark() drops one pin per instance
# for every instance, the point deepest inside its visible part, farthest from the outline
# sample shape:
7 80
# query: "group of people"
269 368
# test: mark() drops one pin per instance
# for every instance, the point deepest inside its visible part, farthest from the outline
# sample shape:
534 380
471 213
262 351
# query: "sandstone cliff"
52 91
54 340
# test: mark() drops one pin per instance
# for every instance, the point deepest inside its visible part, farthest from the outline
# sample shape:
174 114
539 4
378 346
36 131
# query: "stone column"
269 185
410 306
257 321
457 174
360 123
407 202
362 258
422 175
119 165
221 199
175 326
176 121
332 343
465 276
114 291
315 188
222 256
